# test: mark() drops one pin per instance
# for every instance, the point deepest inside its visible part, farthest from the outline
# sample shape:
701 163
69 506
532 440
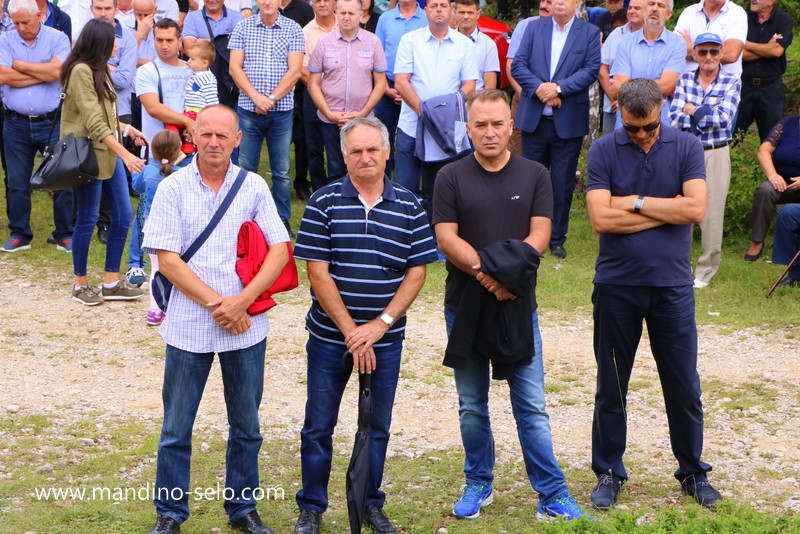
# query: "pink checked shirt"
347 68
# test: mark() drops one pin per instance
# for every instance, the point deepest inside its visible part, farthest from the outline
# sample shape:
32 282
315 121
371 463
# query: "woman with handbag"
90 110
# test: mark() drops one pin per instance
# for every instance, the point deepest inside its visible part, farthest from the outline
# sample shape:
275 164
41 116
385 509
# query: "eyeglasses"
647 127
703 52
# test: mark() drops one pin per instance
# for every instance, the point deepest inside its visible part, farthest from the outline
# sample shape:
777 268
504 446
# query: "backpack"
227 90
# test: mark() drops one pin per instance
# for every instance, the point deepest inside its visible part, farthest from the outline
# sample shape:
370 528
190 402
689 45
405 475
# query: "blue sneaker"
136 276
564 507
474 496
15 244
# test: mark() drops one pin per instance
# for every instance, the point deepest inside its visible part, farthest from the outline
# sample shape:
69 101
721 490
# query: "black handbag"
161 287
69 163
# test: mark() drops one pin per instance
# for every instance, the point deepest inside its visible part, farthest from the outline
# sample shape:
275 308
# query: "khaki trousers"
718 178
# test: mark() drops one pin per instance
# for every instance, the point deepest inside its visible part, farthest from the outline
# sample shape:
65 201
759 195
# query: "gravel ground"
65 360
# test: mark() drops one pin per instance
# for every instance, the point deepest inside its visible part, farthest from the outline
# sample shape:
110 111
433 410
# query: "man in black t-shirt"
483 199
769 34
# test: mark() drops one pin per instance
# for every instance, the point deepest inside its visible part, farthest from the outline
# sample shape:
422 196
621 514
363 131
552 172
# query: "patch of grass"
742 397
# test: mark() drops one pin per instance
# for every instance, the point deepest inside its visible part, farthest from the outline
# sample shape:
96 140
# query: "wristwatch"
558 89
272 97
388 319
638 204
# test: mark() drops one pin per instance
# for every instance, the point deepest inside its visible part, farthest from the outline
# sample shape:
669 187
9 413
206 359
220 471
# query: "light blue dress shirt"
638 58
392 26
557 44
43 97
437 68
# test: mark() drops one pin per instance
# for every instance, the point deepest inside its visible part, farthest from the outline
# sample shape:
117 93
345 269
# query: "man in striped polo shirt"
367 242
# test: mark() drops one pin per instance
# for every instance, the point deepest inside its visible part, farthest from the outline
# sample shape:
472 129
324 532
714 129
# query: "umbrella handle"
364 379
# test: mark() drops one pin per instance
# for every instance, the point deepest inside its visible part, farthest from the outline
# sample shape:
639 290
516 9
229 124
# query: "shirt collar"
643 38
280 22
448 37
417 14
702 5
350 191
196 172
566 27
474 35
338 34
224 12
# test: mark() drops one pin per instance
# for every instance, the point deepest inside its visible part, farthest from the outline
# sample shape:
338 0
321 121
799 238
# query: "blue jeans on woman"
327 378
526 387
87 199
185 376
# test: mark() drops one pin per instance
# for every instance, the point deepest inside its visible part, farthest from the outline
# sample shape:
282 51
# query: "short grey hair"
639 96
372 122
29 5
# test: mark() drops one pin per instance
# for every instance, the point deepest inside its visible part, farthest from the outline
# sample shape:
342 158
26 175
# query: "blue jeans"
333 151
407 168
669 313
528 405
87 199
185 376
276 129
327 378
787 239
21 139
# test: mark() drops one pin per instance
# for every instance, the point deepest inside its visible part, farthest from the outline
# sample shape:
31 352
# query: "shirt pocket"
365 58
332 59
280 46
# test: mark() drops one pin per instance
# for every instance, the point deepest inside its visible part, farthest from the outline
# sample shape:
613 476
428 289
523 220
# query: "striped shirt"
180 211
347 68
716 107
266 55
200 91
367 251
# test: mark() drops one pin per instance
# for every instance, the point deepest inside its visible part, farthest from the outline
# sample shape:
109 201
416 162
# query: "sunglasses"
703 52
647 127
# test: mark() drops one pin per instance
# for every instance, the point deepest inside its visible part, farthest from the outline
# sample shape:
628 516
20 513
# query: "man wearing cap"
705 105
644 190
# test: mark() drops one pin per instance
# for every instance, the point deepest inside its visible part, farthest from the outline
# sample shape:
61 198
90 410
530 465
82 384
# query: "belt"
719 144
760 81
547 117
32 118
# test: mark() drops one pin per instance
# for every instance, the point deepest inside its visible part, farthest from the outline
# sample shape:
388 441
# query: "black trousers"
619 312
763 104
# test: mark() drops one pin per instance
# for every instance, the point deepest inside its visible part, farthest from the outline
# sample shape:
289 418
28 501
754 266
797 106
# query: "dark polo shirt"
766 68
661 256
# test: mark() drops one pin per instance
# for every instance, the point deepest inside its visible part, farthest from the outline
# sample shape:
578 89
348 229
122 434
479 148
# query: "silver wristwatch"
272 96
388 319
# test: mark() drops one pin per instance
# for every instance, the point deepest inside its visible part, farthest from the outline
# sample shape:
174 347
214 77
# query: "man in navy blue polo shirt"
367 243
645 188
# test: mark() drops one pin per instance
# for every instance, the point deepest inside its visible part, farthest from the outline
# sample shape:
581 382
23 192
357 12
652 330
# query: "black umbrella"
358 470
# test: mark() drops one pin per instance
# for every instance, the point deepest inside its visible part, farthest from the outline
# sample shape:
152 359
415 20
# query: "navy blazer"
577 69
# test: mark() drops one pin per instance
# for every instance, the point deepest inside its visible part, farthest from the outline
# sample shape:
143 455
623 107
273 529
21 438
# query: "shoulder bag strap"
212 224
208 25
160 91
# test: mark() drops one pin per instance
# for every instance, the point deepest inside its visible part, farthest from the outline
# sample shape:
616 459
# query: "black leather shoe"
251 523
558 251
604 494
289 229
702 491
308 522
377 521
165 525
102 234
303 194
789 282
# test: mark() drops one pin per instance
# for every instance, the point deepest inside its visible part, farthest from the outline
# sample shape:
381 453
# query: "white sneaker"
136 276
698 284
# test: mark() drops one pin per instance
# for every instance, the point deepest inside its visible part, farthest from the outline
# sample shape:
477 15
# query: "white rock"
205 447
12 408
46 468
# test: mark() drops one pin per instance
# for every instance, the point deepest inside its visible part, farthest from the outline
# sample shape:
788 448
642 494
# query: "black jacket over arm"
500 331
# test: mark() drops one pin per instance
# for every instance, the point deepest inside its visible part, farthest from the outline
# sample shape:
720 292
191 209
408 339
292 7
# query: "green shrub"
746 176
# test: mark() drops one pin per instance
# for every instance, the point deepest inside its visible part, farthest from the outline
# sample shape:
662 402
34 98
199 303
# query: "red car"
500 34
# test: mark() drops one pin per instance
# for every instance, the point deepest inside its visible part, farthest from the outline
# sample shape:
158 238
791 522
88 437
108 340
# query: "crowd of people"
406 153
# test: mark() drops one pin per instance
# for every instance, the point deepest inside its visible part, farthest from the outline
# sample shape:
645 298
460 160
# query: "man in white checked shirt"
207 316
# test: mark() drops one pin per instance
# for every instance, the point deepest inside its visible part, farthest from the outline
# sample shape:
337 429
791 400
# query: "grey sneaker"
88 295
122 291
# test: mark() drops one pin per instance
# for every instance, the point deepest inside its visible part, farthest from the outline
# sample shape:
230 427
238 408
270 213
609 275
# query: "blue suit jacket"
577 69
